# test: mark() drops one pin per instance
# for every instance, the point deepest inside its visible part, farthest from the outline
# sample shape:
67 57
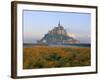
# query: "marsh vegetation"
49 57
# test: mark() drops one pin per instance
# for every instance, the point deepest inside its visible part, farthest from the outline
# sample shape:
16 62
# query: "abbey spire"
59 24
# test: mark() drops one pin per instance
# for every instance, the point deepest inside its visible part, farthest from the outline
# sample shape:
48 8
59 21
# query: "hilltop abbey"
58 35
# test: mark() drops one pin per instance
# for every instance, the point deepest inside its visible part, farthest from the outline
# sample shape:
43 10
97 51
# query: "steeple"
59 24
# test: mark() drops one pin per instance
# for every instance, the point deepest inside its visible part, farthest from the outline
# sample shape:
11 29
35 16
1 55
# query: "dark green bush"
53 57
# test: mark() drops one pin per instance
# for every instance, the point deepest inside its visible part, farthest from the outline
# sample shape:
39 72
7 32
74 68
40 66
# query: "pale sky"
37 23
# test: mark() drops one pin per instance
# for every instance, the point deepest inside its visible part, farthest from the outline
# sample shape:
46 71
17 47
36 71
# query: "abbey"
58 35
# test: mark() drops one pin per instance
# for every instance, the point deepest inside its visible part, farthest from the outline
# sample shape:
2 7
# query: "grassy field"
49 57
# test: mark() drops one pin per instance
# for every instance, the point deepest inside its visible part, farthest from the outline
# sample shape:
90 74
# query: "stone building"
58 35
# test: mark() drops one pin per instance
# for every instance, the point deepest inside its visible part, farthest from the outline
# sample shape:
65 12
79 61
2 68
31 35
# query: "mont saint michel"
49 43
58 35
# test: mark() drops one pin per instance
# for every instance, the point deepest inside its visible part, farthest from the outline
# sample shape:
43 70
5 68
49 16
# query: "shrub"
53 57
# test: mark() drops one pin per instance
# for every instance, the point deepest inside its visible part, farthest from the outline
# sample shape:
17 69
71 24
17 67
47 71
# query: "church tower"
59 24
60 29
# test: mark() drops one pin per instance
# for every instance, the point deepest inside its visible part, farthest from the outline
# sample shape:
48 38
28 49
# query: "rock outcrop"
58 35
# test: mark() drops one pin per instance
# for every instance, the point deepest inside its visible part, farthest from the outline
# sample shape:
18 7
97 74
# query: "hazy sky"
37 23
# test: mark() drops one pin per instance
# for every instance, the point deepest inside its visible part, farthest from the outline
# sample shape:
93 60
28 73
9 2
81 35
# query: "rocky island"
58 35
